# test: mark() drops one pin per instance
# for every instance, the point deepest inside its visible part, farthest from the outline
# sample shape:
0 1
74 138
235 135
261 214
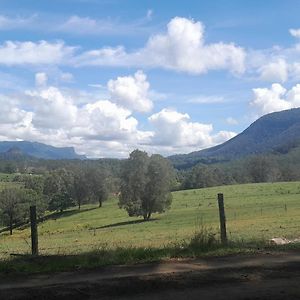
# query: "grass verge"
203 244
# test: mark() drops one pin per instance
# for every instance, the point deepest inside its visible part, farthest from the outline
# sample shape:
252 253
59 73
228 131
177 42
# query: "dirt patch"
238 277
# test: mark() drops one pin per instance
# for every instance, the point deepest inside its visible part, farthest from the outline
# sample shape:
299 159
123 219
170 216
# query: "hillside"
17 149
276 132
252 211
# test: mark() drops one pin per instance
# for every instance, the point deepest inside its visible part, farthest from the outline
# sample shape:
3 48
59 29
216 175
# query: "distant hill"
16 154
277 132
24 149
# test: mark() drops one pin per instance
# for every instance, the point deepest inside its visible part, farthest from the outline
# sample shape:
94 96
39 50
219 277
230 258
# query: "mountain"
19 149
15 154
275 132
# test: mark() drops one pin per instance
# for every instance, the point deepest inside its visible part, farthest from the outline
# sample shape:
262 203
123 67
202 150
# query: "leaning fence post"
34 232
222 219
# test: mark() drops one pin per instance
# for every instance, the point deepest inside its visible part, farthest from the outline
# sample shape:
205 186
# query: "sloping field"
253 211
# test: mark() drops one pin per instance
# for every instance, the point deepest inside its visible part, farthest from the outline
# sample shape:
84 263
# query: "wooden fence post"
34 232
222 219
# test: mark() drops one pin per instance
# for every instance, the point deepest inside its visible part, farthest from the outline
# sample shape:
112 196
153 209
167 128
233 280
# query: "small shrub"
203 239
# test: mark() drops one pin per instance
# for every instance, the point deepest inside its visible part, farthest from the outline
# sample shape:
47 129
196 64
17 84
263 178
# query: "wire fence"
256 217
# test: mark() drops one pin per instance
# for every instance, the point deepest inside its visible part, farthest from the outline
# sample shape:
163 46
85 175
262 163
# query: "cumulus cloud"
181 48
275 71
10 112
276 98
42 52
131 92
276 64
52 109
223 136
102 127
176 130
55 116
106 121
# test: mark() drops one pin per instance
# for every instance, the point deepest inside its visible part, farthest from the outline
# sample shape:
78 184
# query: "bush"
203 239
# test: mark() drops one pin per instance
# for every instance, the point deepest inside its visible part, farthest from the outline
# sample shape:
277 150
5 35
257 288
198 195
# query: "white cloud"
293 96
131 92
10 112
276 64
276 98
223 136
9 23
42 52
85 25
106 121
295 32
177 133
41 79
99 128
52 109
102 127
275 71
55 116
182 48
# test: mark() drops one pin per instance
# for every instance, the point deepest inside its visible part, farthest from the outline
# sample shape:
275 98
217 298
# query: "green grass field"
253 211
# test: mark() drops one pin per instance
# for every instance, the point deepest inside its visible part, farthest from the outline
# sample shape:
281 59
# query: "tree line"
56 190
252 169
142 182
143 186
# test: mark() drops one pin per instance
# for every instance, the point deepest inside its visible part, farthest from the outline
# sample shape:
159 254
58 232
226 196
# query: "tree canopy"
145 184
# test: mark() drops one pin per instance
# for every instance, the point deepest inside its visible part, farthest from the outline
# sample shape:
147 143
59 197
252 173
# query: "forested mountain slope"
275 132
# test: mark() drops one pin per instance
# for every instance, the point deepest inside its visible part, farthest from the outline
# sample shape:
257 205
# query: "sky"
168 77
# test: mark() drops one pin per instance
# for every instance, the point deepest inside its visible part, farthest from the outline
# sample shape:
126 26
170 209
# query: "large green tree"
81 188
145 184
98 181
11 207
59 189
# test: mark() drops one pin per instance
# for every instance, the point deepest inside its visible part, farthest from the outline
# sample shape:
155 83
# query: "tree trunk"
100 203
79 205
147 216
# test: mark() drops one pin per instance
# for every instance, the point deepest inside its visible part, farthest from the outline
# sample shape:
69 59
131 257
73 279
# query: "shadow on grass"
105 256
52 216
124 223
63 214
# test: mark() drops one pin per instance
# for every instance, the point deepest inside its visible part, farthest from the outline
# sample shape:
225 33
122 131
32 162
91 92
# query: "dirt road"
264 276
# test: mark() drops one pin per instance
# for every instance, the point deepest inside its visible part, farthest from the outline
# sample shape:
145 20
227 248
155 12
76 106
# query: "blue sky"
164 76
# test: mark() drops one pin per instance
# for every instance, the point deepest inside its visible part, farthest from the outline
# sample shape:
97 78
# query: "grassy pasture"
253 211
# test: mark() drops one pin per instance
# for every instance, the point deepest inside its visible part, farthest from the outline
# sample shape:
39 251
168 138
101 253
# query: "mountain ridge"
274 132
36 150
